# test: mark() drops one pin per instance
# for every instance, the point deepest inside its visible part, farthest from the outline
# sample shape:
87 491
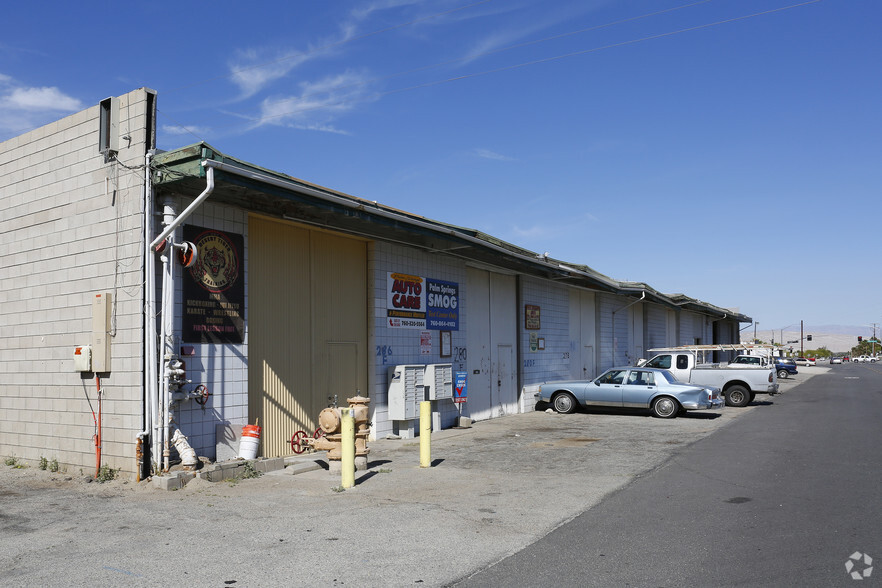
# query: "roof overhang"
182 173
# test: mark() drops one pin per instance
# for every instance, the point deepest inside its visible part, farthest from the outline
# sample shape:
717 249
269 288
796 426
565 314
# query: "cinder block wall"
70 229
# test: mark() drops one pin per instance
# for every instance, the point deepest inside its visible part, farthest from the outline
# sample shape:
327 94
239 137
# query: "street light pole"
755 323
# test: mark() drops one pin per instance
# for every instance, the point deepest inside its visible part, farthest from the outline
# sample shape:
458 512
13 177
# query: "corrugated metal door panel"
607 306
279 317
477 311
339 301
686 325
503 338
656 327
588 319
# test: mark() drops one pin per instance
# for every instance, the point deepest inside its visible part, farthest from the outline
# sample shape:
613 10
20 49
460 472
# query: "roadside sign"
460 387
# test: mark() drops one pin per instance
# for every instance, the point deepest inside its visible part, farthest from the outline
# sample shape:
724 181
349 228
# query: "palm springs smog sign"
214 288
414 302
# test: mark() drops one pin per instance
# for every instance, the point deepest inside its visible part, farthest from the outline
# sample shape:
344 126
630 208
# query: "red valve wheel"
297 442
318 433
202 394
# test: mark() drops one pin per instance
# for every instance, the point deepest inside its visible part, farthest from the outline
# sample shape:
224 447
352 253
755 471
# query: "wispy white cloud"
518 31
252 70
25 107
317 104
488 154
190 130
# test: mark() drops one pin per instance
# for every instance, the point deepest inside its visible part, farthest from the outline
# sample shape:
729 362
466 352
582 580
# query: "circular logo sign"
217 267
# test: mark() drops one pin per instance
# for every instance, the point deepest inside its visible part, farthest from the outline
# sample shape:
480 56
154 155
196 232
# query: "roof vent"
108 135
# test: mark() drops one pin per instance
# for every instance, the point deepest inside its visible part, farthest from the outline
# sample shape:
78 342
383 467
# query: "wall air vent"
108 136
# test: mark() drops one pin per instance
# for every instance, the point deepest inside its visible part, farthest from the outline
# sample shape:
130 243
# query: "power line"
328 46
518 65
491 52
538 61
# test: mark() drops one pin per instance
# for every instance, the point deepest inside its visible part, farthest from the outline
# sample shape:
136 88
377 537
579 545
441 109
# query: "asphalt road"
782 498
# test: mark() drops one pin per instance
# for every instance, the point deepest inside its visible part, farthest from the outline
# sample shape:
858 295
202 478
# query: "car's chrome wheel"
665 407
783 374
564 403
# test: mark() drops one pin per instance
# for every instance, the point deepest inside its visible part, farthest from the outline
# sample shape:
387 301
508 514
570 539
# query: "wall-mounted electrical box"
83 359
102 305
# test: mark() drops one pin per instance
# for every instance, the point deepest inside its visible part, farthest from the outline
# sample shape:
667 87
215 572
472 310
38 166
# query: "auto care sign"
415 302
405 301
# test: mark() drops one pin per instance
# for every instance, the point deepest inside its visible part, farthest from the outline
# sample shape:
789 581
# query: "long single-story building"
144 292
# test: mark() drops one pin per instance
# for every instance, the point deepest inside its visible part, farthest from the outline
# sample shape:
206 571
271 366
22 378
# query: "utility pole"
801 351
873 343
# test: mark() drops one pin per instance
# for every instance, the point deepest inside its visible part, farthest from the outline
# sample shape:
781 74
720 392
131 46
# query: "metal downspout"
149 314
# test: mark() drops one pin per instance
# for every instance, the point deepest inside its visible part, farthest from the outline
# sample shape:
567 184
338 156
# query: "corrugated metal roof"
277 194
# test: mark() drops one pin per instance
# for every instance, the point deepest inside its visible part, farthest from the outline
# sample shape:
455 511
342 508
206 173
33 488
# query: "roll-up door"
307 326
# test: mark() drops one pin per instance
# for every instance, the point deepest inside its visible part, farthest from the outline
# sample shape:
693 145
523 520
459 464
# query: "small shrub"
53 465
249 471
44 463
106 474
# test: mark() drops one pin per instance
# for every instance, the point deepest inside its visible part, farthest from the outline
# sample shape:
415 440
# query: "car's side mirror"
596 383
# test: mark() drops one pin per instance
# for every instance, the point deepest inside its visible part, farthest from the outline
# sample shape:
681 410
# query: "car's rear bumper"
716 404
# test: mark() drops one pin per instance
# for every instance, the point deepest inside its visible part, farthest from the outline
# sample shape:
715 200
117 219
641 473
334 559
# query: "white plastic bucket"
249 442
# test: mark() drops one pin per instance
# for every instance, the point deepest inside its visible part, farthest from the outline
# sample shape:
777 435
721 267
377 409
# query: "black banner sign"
214 288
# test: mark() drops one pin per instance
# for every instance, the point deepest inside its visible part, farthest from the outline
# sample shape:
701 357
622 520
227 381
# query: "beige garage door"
307 326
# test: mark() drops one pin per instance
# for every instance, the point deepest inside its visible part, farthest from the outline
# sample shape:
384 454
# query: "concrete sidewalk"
492 490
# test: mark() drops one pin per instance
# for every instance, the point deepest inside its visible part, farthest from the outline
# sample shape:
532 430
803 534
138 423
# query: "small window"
682 362
612 377
662 362
641 378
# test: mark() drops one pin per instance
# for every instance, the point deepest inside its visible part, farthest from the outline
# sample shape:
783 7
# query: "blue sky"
724 149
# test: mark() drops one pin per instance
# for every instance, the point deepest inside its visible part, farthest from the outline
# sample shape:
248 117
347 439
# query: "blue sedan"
629 387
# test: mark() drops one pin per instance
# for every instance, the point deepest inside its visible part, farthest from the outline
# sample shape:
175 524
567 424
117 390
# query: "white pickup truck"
740 380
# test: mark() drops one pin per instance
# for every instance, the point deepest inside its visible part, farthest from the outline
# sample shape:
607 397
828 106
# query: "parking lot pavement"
805 372
492 489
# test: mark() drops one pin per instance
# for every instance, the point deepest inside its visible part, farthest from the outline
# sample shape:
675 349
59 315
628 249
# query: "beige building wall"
71 229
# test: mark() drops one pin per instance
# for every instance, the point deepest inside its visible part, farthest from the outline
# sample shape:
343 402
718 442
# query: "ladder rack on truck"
701 350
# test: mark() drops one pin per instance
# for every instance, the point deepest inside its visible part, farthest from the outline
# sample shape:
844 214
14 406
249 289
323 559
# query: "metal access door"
491 315
588 369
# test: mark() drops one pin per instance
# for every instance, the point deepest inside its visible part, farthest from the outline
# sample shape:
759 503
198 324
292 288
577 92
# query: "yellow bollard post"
425 434
347 450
